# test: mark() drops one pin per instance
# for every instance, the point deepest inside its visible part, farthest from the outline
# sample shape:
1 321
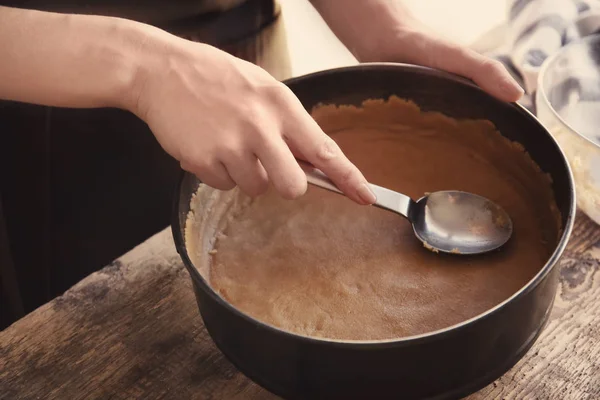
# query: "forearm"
70 60
369 28
384 30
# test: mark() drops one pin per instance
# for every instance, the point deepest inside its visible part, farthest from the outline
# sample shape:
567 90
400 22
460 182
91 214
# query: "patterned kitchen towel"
539 28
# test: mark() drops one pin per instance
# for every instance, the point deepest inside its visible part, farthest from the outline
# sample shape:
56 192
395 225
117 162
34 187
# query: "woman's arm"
69 60
224 119
384 30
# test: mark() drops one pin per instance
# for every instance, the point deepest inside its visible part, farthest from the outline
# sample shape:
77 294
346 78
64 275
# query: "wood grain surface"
132 331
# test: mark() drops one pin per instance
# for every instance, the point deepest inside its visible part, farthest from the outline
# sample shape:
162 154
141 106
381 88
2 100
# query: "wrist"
134 49
153 55
371 29
159 58
395 40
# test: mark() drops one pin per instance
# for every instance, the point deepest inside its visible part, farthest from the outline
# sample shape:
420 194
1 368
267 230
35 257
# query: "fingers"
431 51
307 139
488 73
213 174
281 166
260 151
245 171
249 174
270 158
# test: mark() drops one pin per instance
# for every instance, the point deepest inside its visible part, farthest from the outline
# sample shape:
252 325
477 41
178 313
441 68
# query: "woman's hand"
384 30
230 123
224 119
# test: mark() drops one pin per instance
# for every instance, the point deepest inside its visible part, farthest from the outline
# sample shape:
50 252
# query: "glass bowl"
568 104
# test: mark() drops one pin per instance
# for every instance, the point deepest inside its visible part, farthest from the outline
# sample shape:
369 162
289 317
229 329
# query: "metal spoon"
446 221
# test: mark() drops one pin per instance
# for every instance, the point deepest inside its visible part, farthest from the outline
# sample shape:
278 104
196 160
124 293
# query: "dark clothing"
79 187
155 12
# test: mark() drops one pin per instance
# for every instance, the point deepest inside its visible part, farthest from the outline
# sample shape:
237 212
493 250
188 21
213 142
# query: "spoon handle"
386 199
318 178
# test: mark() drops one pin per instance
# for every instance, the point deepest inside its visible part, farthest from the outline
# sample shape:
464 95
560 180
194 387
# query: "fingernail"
366 194
511 88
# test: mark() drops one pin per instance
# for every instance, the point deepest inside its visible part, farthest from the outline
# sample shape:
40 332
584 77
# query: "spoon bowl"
460 223
446 221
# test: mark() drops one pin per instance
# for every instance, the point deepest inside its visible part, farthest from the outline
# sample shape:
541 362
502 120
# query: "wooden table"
132 330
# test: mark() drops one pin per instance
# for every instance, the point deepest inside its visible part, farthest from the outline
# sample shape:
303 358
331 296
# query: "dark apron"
79 187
